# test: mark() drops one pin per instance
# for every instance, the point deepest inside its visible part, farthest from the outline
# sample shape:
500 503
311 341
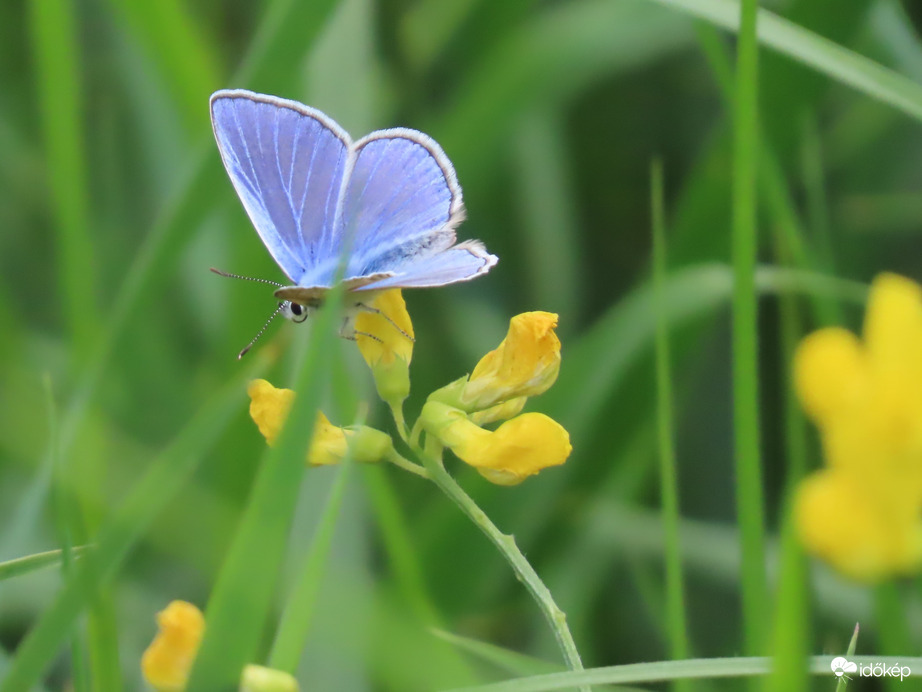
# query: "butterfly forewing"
286 162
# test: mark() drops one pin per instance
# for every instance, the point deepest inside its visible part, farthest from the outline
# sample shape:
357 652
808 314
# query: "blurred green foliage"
113 205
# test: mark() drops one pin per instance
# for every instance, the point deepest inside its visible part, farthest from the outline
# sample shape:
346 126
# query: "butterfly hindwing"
286 162
462 262
402 201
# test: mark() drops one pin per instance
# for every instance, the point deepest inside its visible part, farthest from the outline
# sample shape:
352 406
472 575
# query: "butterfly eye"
293 311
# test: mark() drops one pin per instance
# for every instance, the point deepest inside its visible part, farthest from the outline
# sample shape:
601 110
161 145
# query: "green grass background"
122 409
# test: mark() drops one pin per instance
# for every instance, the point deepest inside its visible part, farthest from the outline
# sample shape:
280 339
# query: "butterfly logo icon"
389 202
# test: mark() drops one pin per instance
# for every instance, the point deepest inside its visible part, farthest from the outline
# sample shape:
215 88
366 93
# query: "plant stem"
745 336
399 460
506 545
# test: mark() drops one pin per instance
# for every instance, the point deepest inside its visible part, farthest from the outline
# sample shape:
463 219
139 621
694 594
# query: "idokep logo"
842 666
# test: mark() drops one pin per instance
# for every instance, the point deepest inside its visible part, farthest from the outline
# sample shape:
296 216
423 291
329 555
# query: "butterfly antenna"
246 278
244 351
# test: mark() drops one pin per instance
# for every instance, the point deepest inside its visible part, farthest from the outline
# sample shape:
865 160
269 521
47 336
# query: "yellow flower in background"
863 513
167 661
518 448
525 364
261 679
385 340
269 407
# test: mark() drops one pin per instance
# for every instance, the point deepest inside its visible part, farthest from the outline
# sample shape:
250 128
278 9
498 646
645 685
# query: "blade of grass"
669 482
401 553
791 643
818 53
773 187
746 431
163 479
65 512
53 28
695 668
239 605
180 48
550 230
892 624
548 60
512 662
287 33
296 616
849 654
37 561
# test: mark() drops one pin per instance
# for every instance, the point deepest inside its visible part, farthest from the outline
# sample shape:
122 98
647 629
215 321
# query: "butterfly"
390 201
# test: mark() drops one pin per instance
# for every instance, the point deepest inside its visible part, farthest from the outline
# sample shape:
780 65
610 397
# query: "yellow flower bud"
269 409
167 661
525 364
519 448
260 679
328 445
385 340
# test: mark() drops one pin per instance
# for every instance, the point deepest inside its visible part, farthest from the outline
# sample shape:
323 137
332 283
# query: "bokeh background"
113 333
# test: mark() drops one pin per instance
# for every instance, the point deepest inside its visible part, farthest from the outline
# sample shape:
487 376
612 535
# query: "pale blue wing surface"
287 163
462 262
402 202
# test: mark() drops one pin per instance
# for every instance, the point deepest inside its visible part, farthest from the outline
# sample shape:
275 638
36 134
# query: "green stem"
399 420
669 482
398 460
506 545
745 336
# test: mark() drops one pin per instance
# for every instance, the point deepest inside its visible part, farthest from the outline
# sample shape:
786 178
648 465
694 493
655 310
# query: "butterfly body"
387 204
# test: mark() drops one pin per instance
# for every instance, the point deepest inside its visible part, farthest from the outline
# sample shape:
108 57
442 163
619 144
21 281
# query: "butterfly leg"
369 308
357 333
348 331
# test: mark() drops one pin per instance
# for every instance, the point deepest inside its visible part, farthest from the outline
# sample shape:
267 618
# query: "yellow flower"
518 448
863 513
525 364
167 661
269 407
385 339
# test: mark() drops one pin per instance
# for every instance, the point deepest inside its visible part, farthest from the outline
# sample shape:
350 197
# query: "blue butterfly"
392 198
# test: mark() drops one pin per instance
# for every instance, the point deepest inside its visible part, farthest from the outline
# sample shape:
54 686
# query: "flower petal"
269 407
526 363
863 538
519 448
167 661
385 340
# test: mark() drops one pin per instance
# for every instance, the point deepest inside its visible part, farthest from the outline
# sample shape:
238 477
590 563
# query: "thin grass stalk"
669 481
54 32
745 335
